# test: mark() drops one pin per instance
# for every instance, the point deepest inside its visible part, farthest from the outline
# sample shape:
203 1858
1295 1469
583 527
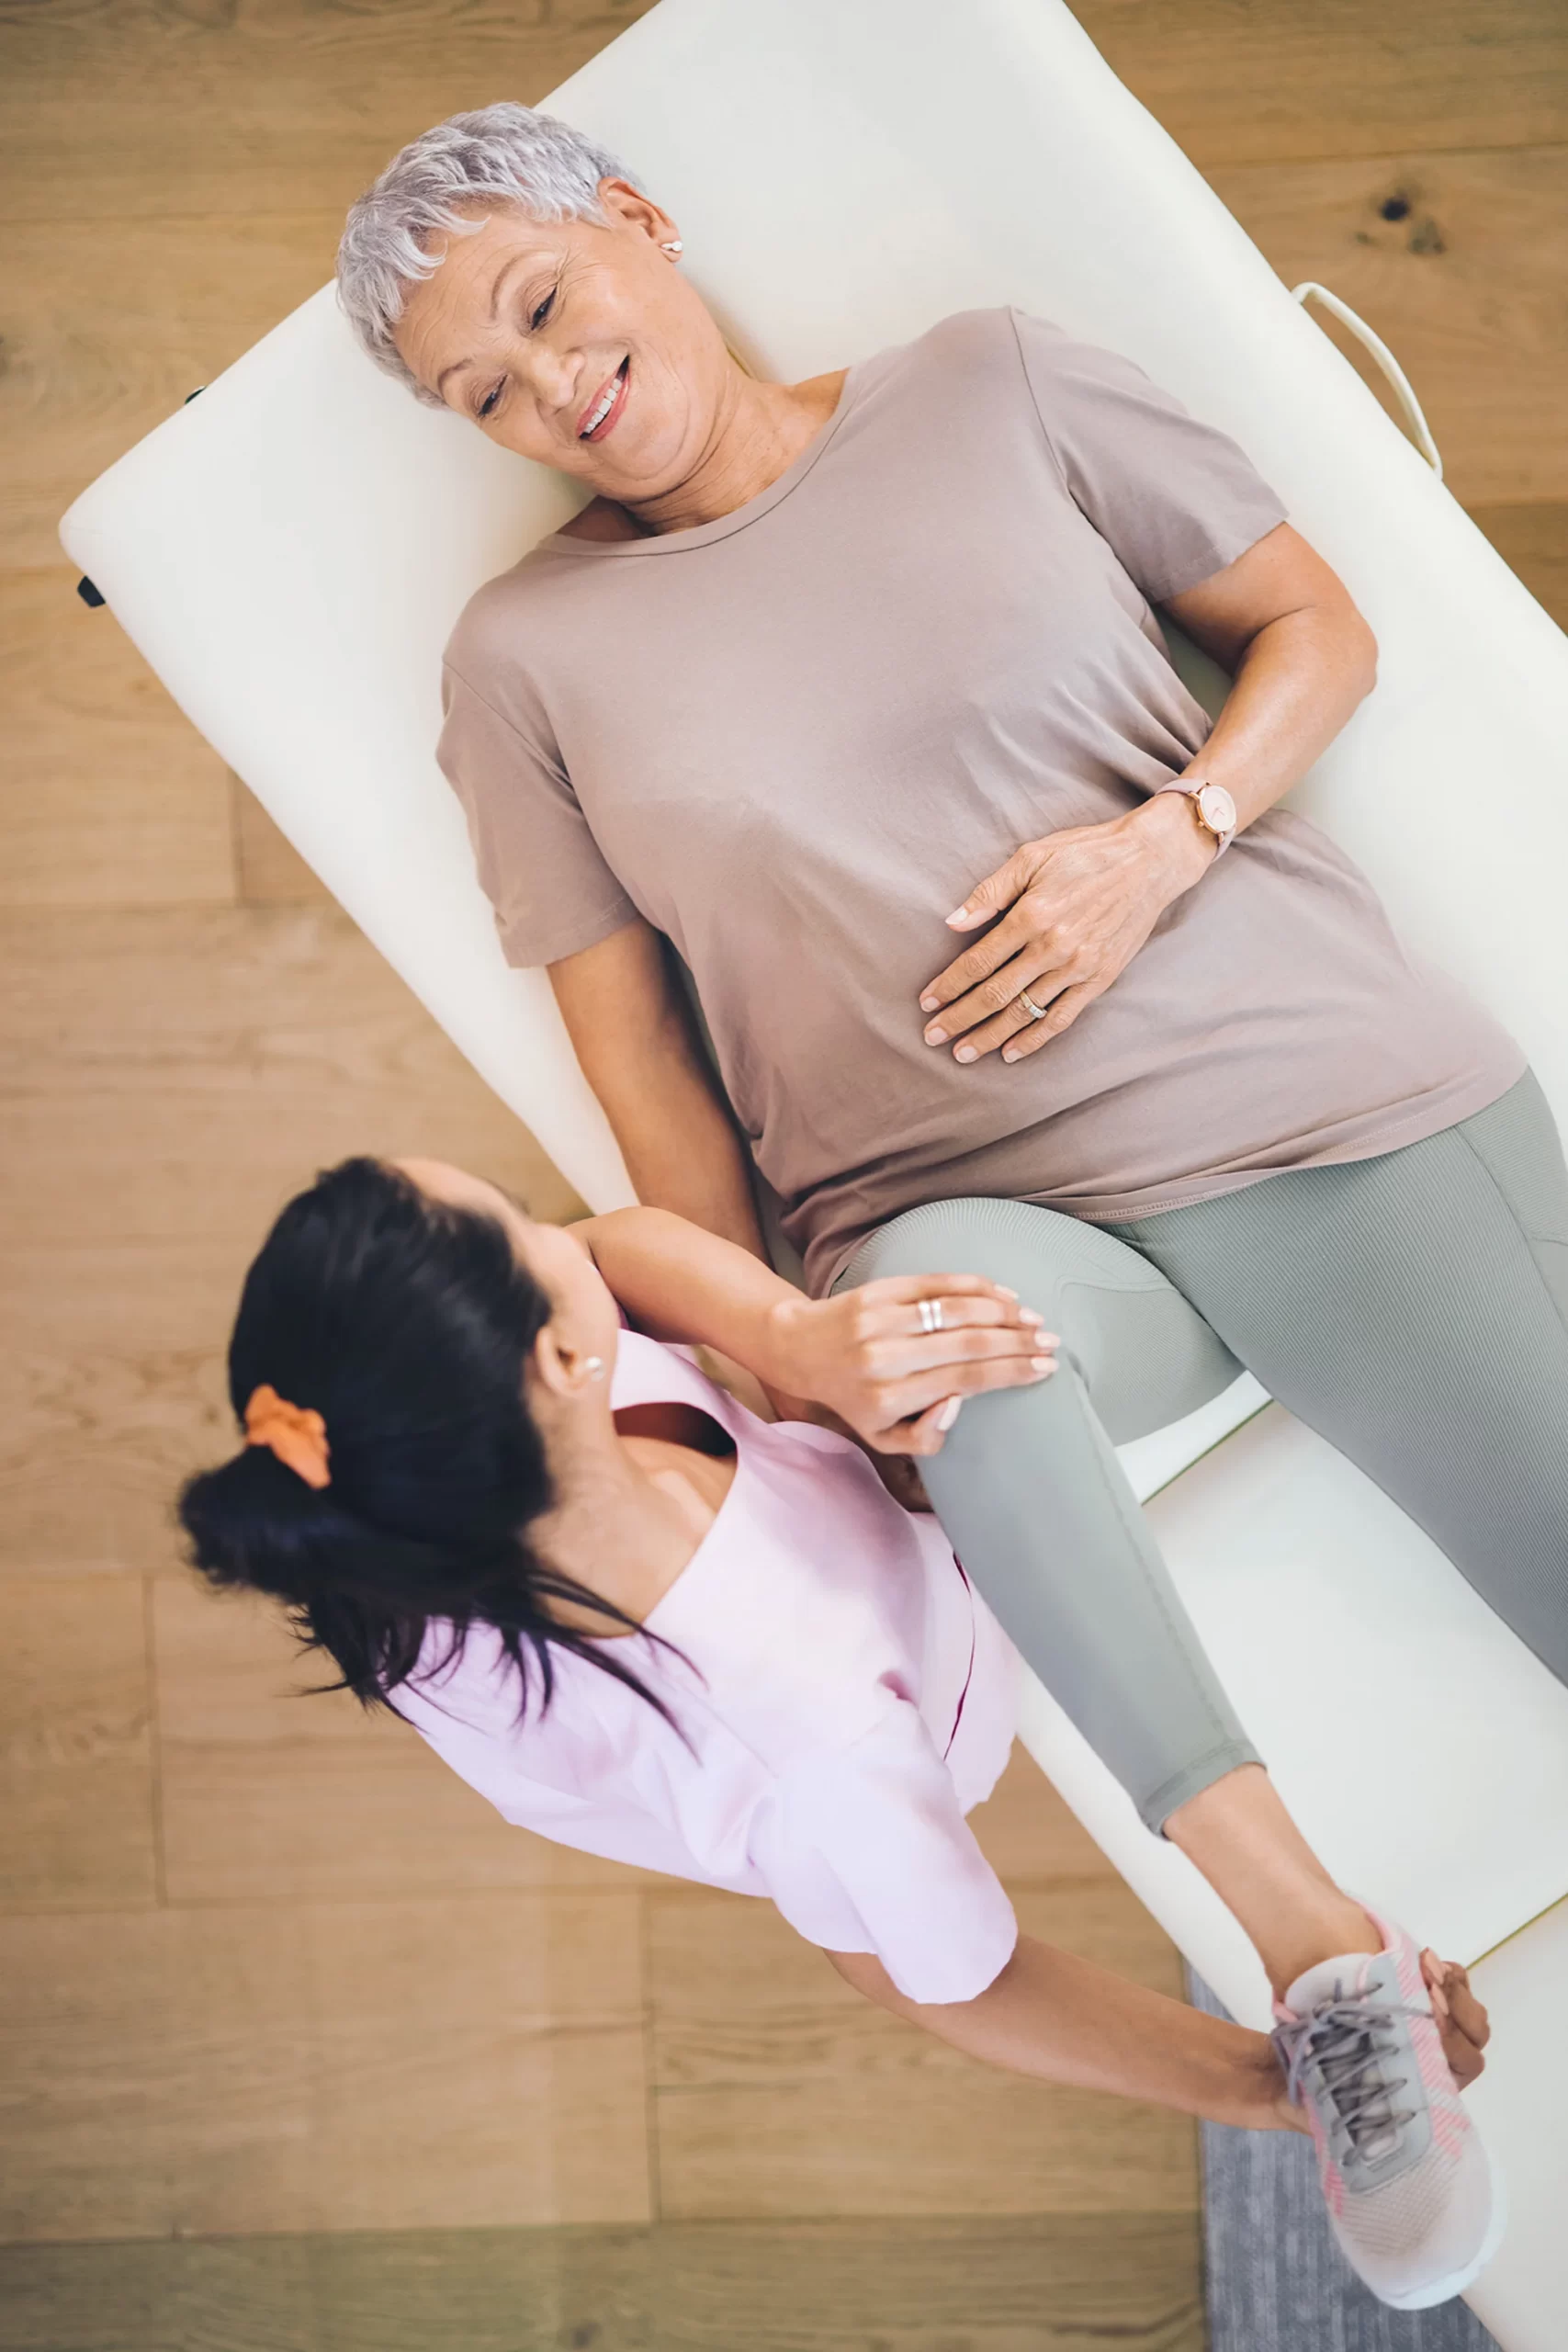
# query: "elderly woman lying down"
646 1622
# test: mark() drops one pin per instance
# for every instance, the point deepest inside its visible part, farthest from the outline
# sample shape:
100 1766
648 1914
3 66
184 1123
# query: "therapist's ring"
930 1314
1035 1011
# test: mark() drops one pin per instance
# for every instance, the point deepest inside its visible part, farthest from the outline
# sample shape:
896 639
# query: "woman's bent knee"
1004 1240
1144 1353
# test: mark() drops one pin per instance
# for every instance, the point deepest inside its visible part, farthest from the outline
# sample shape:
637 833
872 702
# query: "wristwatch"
1211 805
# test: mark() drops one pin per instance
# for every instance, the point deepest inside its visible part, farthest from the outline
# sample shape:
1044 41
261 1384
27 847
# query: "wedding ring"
1035 1011
930 1314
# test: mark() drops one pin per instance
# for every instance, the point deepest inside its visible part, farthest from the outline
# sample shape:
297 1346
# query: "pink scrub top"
845 1696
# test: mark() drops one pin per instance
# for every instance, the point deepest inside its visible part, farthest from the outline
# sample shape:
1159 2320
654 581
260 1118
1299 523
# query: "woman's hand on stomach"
1074 909
895 1359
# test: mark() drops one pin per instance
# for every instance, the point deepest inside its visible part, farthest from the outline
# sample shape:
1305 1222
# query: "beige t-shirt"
793 739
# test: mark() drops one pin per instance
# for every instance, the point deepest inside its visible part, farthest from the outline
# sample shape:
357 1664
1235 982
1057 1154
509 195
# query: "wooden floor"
271 1973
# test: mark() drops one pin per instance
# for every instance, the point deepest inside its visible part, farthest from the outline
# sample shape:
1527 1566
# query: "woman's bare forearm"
680 1282
683 1154
867 1357
1298 678
1063 2020
636 1041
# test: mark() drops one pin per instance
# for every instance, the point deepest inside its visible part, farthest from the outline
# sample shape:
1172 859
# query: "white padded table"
291 550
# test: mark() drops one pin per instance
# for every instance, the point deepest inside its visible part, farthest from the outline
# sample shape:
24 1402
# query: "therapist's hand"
1074 909
872 1358
1462 2023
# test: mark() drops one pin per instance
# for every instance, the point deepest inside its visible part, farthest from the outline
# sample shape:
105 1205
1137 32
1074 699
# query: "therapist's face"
529 326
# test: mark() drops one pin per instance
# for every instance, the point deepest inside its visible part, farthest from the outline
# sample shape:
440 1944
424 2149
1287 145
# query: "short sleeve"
865 1848
539 863
1177 500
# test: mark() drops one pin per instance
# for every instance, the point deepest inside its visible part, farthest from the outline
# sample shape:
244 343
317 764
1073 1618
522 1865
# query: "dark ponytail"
408 1325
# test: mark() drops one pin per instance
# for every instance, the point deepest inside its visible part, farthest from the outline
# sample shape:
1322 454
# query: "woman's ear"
565 1370
630 206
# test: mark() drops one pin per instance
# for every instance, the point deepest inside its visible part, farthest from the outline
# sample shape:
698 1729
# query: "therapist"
854 690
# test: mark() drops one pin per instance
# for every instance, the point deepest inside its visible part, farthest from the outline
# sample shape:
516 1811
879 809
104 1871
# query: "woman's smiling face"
576 344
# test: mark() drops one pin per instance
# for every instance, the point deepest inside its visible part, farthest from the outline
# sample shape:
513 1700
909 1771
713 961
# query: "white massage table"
290 551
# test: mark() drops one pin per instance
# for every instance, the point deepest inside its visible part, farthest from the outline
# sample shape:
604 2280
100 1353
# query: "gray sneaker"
1413 2198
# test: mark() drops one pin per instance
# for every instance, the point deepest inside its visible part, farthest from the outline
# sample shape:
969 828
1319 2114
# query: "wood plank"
76 1810
468 2060
171 1077
107 794
111 1390
267 1793
1277 80
1533 540
280 105
269 870
779 2092
1054 2284
1027 1834
1464 285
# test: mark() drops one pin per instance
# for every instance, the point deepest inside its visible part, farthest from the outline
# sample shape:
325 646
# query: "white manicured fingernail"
1044 1364
948 1414
936 1036
964 1053
929 1004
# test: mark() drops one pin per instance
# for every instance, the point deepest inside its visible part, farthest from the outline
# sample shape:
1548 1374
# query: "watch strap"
1191 786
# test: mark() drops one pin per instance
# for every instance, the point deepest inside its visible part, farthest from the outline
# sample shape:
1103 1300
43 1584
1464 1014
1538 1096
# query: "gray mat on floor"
1275 2280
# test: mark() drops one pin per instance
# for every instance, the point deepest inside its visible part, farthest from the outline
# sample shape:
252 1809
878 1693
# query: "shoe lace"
1347 2040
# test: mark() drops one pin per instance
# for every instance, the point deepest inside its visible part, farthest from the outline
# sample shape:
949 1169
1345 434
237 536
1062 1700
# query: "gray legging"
1412 1308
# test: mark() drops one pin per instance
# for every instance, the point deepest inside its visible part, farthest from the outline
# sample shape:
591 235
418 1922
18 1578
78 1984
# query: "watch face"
1217 809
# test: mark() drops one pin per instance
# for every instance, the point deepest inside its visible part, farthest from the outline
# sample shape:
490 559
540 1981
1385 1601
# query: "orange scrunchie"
298 1438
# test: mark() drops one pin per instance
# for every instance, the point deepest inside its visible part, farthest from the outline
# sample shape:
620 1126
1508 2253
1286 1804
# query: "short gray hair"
505 155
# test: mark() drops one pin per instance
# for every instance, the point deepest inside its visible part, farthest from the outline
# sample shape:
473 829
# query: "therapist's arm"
1063 2020
630 1024
866 1356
